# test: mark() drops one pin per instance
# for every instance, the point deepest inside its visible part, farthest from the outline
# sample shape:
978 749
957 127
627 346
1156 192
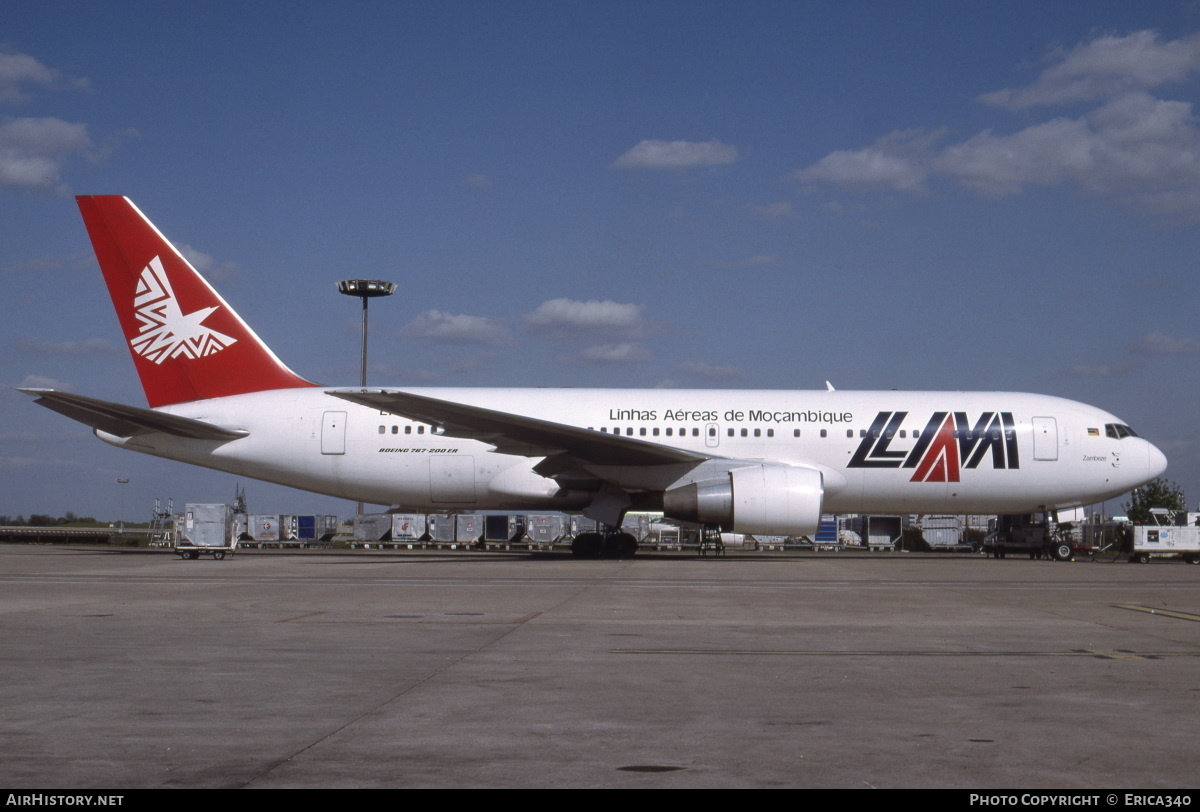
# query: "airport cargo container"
441 527
318 527
263 527
502 528
881 532
207 529
942 531
636 525
468 527
581 524
370 527
408 526
546 528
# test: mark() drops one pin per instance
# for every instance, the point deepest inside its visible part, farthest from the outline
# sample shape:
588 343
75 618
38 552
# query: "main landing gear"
607 544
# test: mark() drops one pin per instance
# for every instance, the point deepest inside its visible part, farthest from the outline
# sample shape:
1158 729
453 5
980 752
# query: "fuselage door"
1045 438
333 433
452 478
712 435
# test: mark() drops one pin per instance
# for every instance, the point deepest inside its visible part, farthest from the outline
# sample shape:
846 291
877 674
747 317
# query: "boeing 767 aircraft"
749 461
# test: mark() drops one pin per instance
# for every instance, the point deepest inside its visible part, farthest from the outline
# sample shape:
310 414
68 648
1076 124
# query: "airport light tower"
365 289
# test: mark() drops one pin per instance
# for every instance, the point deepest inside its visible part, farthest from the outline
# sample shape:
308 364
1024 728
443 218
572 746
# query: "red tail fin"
186 342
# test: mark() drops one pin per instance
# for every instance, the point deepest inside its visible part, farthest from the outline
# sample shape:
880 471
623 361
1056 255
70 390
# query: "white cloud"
1106 67
1156 343
866 167
206 265
1132 146
567 316
1135 147
621 353
897 161
676 155
34 150
42 382
19 70
456 328
711 372
1003 165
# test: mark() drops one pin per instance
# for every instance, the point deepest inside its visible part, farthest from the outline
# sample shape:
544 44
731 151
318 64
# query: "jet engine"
775 500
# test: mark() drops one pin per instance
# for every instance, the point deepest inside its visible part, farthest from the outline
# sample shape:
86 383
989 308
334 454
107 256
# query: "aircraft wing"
517 434
129 421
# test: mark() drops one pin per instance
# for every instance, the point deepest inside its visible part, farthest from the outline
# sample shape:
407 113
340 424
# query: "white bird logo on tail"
166 332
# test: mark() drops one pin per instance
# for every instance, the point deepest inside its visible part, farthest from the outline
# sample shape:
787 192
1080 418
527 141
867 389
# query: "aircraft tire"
620 545
1063 551
587 545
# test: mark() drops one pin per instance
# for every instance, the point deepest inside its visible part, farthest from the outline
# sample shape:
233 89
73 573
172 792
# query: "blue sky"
755 195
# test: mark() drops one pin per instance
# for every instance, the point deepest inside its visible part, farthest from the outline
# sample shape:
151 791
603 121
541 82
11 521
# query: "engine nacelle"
772 500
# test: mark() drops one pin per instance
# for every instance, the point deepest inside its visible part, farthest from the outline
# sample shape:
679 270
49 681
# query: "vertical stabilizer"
186 342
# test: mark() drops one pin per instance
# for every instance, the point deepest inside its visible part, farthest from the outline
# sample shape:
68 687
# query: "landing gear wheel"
1063 551
620 545
587 545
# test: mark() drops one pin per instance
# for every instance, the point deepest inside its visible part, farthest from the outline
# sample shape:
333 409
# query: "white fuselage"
878 452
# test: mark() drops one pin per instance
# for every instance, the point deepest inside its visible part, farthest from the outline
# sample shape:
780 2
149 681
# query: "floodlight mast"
365 289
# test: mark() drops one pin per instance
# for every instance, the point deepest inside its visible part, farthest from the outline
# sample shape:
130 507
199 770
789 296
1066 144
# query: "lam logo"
166 332
947 444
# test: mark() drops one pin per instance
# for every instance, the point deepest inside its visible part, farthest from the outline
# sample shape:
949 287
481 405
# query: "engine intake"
774 500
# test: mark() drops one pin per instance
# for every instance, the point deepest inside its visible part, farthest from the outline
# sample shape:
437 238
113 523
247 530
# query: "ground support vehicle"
1164 538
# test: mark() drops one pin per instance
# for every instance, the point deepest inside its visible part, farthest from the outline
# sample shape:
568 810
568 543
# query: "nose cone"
1157 462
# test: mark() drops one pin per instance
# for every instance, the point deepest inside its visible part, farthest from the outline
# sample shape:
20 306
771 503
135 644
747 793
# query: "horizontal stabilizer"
517 434
129 421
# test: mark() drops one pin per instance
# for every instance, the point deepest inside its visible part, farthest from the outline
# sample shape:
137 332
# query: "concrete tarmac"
128 669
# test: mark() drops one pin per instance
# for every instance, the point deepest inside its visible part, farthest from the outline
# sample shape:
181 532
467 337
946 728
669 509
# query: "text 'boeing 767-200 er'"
758 462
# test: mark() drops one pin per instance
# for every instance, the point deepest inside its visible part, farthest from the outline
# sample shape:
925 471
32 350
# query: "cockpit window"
1117 431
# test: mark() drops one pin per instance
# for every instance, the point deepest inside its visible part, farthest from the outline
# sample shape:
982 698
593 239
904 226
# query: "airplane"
749 461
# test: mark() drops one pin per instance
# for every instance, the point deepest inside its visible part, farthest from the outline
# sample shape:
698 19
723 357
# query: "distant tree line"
42 520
